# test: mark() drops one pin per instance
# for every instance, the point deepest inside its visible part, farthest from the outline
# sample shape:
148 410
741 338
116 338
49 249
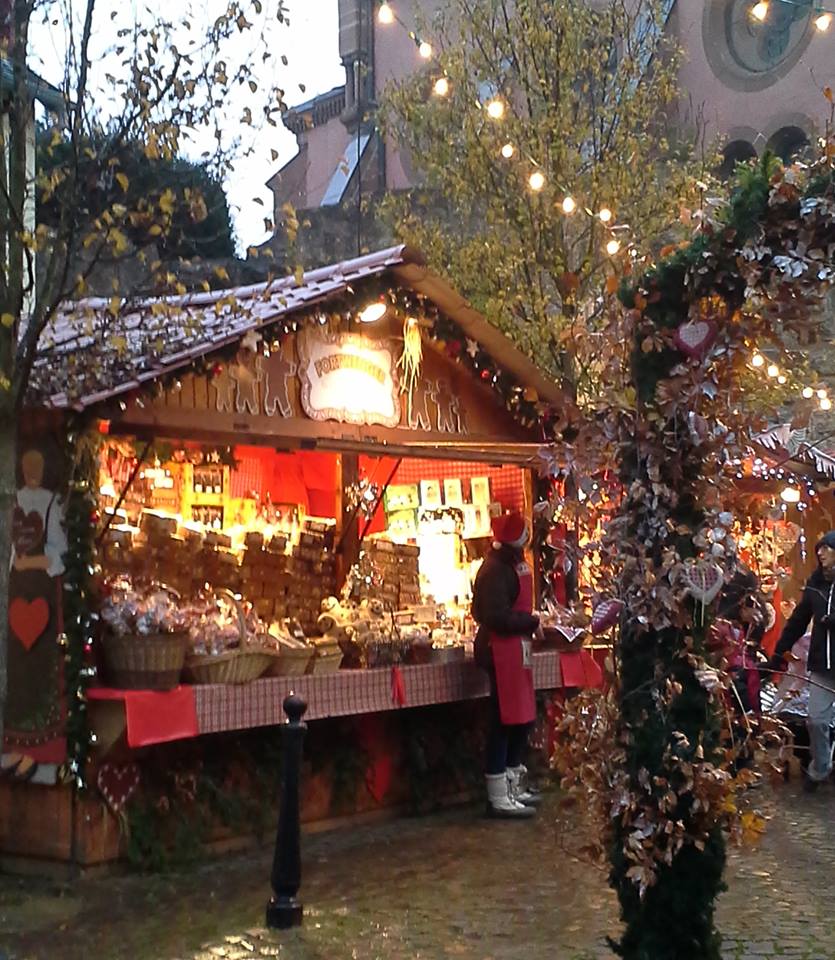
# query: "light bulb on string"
758 360
536 181
760 10
385 14
612 247
821 393
825 404
790 495
605 215
823 21
781 379
569 205
441 87
425 49
808 393
773 370
508 150
495 109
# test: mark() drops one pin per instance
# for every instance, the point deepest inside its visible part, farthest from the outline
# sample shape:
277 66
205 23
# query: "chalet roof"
794 447
51 97
88 356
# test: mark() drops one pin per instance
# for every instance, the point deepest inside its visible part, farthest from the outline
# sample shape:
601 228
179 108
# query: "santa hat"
510 529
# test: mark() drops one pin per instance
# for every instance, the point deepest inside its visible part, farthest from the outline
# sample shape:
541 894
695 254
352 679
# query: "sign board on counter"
347 377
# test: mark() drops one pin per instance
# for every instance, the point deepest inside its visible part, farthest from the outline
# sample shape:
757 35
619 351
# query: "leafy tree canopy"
557 147
188 194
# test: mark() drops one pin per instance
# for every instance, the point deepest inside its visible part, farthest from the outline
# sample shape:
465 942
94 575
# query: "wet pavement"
452 885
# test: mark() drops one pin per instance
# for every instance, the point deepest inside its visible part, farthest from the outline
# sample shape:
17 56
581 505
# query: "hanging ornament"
363 497
606 615
411 358
694 337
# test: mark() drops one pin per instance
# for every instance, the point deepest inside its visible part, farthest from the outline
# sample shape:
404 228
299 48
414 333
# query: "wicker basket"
243 665
290 661
152 662
325 660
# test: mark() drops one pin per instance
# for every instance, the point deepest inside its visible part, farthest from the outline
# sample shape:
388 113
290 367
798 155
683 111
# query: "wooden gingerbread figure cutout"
247 373
277 377
446 401
224 387
418 407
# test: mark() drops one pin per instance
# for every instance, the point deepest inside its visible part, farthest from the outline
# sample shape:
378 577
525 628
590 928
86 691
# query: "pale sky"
309 42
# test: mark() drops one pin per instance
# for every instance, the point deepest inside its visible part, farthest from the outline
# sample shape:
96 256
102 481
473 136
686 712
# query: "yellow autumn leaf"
5 383
123 182
167 201
115 304
222 274
118 241
7 320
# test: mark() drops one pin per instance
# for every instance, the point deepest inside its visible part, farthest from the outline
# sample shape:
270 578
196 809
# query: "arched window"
737 151
788 143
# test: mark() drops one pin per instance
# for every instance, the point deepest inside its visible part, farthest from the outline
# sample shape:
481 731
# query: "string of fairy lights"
496 109
821 18
773 372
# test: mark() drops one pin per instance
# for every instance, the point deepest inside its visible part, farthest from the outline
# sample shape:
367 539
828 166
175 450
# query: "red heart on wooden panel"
28 619
117 783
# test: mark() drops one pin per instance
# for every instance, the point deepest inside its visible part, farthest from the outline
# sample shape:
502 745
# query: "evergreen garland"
81 519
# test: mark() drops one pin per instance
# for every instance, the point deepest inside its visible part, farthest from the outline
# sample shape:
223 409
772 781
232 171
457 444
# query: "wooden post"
347 531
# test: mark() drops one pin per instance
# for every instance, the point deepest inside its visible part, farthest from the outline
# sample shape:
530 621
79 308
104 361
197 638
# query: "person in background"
817 605
503 610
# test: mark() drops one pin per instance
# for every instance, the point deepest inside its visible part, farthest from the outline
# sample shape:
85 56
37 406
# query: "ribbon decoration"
398 687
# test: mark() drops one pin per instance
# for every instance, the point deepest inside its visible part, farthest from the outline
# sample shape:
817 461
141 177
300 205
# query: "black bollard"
284 910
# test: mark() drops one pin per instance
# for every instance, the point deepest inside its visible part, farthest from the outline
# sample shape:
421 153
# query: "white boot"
500 803
517 785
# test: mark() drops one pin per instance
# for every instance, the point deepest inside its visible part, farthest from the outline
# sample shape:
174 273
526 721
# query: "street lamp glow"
385 14
773 370
612 247
823 21
508 150
425 49
536 181
495 109
605 215
441 87
569 205
760 10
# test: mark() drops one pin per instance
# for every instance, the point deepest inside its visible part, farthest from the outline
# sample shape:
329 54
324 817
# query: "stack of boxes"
398 567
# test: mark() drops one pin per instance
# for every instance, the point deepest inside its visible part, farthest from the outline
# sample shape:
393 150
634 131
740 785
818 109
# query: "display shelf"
222 707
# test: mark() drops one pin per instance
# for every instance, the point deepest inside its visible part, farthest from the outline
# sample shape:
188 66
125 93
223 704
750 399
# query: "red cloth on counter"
580 669
154 716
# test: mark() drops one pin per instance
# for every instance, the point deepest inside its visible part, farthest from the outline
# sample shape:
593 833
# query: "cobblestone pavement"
447 886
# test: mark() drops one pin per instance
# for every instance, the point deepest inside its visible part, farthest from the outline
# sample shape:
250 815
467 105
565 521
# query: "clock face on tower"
751 54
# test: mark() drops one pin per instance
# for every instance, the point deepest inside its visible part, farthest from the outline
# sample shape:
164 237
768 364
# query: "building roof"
88 356
51 97
793 446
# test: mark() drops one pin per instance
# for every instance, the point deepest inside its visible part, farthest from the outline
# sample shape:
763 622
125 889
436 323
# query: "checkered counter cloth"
258 704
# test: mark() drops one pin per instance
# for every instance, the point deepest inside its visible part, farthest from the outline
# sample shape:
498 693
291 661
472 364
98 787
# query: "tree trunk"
8 457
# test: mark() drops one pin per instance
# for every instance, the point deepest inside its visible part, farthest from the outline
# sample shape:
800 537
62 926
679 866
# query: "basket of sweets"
226 644
145 639
292 653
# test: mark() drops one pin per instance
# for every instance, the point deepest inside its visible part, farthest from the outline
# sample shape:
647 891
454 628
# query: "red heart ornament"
117 783
28 619
703 580
605 615
695 337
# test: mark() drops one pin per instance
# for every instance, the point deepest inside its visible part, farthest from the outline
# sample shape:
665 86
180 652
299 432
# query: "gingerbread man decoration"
418 407
277 377
446 402
247 373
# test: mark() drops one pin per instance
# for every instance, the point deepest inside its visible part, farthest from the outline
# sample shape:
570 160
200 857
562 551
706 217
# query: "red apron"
512 661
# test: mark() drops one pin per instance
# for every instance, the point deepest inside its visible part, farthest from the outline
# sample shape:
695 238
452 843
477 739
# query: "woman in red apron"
503 609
